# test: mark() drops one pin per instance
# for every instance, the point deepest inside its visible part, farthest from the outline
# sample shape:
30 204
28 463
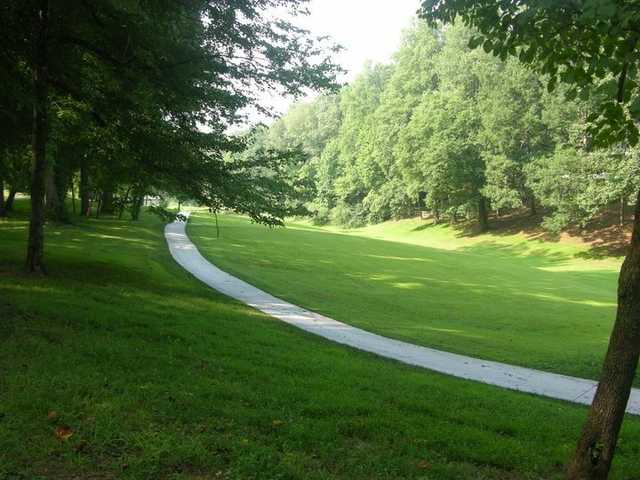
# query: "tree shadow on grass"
603 236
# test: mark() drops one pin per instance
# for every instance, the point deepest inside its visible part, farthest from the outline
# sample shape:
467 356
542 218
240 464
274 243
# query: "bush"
165 215
348 216
321 216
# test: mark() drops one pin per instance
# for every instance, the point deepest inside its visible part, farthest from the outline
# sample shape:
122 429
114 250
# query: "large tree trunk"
84 188
35 249
8 204
596 447
107 202
483 214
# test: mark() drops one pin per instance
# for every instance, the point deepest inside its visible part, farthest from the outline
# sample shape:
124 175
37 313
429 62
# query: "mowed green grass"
159 377
538 304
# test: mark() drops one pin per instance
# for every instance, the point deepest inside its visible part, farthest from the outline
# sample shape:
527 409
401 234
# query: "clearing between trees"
499 297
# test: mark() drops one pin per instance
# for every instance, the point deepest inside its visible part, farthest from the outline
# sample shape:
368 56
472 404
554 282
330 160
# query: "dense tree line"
456 131
109 101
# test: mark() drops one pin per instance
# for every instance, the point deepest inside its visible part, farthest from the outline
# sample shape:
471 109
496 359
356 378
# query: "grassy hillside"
156 376
501 297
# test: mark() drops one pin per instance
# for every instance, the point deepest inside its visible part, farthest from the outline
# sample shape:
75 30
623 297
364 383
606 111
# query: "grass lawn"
158 377
538 304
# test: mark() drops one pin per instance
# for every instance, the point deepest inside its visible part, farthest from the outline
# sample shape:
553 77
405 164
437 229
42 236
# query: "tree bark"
3 205
99 207
51 193
8 205
483 214
73 197
623 205
533 210
35 249
84 189
107 201
595 450
138 201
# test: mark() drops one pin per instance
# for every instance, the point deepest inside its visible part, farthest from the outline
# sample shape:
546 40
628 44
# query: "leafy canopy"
587 44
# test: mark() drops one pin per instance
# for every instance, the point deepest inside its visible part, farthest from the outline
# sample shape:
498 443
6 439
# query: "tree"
258 181
589 45
440 149
513 132
413 75
144 74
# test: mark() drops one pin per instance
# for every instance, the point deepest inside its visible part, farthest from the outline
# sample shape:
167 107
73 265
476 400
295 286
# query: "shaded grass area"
159 377
508 299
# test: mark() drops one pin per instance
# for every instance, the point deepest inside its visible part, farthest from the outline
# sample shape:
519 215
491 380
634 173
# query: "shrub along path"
522 379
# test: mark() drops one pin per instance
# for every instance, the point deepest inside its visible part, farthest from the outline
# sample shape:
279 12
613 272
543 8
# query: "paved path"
552 385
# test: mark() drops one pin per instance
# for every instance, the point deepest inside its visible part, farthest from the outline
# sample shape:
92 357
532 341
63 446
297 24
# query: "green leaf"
571 94
475 41
634 108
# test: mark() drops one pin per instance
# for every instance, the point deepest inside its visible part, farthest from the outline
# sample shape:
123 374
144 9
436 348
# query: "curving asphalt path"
562 387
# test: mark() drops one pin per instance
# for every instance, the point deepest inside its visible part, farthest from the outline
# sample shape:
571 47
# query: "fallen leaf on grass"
52 415
424 464
64 432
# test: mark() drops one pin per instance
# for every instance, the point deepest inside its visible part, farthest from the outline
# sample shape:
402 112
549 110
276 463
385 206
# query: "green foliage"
142 94
258 181
351 216
576 185
453 130
589 45
165 215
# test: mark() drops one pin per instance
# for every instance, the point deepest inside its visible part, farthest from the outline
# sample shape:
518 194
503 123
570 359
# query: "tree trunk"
73 197
623 205
8 204
596 447
56 186
533 210
99 207
51 193
483 215
3 205
138 200
35 249
84 189
107 201
123 203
